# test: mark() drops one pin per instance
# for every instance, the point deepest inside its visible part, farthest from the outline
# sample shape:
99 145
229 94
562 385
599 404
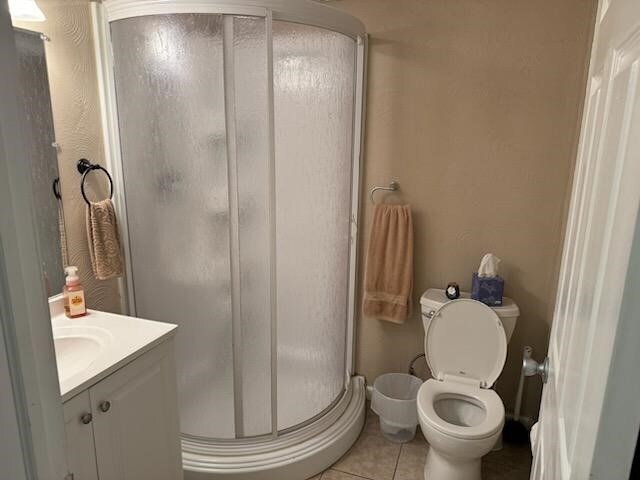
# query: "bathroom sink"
78 347
92 347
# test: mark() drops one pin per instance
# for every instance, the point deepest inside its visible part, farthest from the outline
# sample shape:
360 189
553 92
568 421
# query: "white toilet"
460 415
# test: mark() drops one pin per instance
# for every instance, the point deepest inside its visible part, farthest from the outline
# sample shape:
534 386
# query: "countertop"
122 339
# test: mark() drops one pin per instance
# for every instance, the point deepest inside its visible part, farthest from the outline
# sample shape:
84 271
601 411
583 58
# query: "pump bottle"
74 304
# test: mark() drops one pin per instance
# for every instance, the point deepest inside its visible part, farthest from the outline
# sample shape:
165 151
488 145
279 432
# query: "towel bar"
393 186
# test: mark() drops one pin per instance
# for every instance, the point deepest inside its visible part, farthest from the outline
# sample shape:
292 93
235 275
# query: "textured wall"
76 118
474 106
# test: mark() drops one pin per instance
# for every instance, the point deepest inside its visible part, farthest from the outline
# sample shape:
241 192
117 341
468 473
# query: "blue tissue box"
487 290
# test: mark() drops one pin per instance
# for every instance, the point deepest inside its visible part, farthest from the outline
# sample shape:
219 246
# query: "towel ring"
393 186
56 188
84 167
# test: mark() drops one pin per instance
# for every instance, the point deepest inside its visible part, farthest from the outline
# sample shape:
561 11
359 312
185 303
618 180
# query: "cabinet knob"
104 406
86 418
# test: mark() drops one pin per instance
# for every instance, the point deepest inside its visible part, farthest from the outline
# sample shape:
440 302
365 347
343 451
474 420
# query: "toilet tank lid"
434 298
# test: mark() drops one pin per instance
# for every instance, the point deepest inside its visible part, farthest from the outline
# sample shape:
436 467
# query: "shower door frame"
292 11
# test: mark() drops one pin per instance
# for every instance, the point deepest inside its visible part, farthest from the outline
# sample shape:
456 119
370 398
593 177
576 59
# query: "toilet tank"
434 298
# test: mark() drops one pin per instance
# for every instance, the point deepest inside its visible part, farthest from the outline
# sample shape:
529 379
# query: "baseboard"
369 392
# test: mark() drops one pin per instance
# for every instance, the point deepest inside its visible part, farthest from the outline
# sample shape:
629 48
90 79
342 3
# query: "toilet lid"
466 338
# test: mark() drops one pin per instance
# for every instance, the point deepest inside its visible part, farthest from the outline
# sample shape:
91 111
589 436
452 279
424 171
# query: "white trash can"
394 400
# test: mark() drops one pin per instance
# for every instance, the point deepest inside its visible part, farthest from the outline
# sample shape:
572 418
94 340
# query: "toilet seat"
487 399
465 338
465 348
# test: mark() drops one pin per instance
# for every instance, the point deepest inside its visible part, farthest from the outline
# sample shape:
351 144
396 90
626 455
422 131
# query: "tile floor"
374 458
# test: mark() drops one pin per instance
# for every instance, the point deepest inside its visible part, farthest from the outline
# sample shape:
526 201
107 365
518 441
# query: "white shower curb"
292 456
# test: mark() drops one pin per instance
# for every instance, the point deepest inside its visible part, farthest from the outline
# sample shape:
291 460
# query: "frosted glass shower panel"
247 64
314 77
171 110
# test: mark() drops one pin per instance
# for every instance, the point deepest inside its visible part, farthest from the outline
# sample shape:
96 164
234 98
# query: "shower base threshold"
296 455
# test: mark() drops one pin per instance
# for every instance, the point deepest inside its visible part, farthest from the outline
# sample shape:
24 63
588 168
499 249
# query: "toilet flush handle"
427 317
531 367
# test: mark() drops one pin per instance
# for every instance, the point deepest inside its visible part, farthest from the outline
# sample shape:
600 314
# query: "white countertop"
121 339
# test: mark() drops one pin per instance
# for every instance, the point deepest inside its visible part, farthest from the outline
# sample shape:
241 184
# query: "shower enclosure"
234 133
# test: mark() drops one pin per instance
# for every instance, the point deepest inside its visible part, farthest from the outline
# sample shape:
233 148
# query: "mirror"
60 97
42 156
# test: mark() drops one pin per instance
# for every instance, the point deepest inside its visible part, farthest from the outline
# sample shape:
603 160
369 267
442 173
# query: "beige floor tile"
498 471
335 475
317 477
418 439
512 462
411 460
371 422
511 455
371 457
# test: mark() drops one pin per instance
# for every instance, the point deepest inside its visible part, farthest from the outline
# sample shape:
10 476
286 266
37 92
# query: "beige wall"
76 118
473 105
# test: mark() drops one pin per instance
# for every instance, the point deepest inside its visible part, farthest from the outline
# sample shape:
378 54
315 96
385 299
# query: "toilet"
460 415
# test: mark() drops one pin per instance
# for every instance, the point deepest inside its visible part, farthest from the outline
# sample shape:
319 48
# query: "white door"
598 244
135 420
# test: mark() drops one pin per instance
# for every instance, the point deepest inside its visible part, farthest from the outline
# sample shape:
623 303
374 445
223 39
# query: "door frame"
24 312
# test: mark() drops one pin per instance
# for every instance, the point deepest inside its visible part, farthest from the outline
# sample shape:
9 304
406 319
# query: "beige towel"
104 240
388 281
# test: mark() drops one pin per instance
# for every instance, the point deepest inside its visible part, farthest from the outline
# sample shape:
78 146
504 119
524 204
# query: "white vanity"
118 387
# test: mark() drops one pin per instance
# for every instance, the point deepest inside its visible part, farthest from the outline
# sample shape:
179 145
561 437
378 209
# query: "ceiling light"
26 10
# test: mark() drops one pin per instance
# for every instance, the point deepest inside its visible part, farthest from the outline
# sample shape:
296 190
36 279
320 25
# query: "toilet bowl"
460 415
461 424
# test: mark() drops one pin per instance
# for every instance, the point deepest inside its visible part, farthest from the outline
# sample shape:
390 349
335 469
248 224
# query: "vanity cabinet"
81 454
125 427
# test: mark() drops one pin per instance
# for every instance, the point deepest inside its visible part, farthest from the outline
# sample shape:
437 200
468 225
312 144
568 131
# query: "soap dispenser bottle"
74 305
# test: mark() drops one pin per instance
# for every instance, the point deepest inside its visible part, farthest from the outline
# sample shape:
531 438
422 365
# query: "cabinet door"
78 429
136 420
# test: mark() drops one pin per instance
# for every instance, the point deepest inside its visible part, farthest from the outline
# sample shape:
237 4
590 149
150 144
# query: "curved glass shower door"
236 141
313 105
